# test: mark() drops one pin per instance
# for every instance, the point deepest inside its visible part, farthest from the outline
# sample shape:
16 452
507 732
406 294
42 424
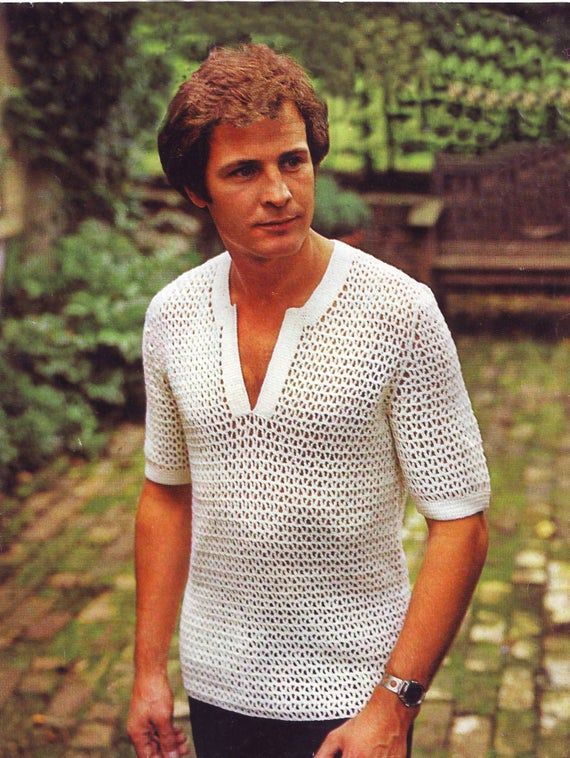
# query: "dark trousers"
219 733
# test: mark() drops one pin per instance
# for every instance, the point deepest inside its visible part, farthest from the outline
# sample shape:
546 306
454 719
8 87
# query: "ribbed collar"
294 321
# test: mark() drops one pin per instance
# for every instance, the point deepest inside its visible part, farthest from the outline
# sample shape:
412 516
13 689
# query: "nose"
275 190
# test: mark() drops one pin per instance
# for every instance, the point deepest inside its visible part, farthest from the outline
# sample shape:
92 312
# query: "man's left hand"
379 731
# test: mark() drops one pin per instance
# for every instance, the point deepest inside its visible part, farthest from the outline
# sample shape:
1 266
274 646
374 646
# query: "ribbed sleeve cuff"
160 476
446 510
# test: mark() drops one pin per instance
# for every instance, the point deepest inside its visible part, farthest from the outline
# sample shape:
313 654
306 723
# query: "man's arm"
162 554
452 564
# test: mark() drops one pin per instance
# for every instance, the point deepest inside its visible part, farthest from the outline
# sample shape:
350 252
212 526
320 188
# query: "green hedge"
338 211
70 337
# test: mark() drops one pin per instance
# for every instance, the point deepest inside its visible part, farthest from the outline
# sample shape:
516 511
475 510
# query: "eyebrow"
292 153
241 162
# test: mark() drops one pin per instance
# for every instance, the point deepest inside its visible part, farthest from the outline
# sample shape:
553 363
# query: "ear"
196 199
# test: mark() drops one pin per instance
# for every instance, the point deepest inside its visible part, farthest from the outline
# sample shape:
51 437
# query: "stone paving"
67 589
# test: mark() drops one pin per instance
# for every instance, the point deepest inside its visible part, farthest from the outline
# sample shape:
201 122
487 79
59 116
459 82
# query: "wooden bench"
500 266
403 230
505 225
538 261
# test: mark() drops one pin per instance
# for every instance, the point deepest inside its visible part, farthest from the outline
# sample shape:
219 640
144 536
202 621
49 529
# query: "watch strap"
392 683
410 692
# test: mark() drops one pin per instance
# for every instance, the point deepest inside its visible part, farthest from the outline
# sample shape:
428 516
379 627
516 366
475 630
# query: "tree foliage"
83 96
402 79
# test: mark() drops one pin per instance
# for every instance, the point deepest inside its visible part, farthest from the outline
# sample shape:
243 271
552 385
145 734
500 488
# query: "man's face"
261 183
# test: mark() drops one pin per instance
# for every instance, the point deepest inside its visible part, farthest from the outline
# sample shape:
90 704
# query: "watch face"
413 693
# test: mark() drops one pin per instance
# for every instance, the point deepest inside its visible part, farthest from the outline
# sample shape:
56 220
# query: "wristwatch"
410 692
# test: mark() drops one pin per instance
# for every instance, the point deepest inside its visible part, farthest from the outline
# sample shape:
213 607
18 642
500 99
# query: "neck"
285 282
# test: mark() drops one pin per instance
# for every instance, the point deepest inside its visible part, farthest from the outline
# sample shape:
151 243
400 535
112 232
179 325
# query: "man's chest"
330 377
257 337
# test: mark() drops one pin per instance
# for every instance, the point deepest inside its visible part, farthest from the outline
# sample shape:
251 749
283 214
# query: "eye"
293 161
243 172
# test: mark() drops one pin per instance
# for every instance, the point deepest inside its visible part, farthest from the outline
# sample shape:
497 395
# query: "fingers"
182 747
143 734
145 746
157 748
170 740
150 723
182 740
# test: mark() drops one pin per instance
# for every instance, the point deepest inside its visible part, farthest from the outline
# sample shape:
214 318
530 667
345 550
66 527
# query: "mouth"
278 224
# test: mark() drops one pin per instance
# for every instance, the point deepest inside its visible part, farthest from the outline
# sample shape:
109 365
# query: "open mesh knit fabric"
298 584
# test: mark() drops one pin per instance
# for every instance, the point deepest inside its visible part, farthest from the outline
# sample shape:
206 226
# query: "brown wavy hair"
235 85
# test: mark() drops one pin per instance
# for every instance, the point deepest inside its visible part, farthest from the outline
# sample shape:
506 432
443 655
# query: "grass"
99 505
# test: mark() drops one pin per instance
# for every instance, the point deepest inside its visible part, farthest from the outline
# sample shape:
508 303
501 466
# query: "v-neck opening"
290 331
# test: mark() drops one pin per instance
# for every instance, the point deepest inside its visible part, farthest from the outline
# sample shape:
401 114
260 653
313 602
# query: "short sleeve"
166 452
435 432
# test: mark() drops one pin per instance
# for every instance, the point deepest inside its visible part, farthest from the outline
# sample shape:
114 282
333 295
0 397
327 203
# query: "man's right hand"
150 722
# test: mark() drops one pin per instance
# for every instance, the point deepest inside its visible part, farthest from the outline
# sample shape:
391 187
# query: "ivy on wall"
403 80
84 93
453 77
491 79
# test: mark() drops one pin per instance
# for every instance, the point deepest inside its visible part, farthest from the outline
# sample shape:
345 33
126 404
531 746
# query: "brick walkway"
67 591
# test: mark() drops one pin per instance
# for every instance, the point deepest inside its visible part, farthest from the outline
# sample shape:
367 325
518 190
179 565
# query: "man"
305 388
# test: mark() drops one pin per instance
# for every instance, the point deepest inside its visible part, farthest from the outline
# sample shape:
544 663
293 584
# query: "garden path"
67 588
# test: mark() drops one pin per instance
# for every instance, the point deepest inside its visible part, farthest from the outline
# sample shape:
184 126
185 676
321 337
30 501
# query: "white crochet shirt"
298 584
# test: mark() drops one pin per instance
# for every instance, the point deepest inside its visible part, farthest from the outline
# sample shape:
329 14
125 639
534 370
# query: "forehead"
260 139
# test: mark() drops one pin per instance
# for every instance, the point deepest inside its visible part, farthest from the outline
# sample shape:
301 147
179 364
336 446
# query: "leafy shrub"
338 212
39 421
71 341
